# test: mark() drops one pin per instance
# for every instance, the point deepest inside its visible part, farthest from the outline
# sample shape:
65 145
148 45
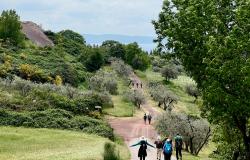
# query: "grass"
47 144
121 107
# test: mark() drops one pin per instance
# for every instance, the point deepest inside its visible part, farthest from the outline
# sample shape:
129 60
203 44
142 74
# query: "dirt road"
132 128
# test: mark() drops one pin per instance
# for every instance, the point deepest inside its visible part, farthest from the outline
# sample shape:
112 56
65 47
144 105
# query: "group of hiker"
135 84
147 117
163 146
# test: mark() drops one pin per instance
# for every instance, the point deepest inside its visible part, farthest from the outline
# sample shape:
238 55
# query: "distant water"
145 42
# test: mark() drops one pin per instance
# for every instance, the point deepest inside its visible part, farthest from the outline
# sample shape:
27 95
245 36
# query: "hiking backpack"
178 142
167 148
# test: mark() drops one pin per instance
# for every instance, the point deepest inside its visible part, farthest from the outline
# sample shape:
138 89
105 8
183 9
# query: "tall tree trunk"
191 145
204 142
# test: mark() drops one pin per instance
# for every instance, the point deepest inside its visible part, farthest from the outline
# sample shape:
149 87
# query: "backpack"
178 142
167 148
158 144
143 145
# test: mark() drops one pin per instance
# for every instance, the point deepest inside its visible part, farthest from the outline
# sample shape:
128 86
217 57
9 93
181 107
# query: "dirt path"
132 128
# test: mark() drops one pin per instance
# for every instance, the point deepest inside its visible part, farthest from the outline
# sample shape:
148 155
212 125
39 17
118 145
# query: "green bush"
56 118
110 152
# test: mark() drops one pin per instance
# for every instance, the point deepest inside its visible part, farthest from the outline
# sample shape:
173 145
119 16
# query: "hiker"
178 146
159 145
145 118
142 152
167 149
141 85
149 118
133 83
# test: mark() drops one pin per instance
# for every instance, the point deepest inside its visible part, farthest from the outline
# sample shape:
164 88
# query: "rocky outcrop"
35 34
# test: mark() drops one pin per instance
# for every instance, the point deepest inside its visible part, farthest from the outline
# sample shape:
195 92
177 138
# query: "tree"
136 97
193 91
195 131
169 72
114 49
94 61
211 38
76 37
141 62
163 96
10 28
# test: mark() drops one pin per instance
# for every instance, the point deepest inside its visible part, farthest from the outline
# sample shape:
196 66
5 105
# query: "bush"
169 72
33 73
56 118
110 152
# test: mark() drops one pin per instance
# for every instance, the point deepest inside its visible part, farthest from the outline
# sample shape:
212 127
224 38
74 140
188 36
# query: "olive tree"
163 96
195 131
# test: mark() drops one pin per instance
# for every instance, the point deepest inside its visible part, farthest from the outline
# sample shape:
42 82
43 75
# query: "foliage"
58 81
32 97
103 81
169 72
76 37
94 61
141 62
110 152
163 95
136 97
52 118
121 68
10 28
211 40
114 49
136 57
192 91
195 131
31 72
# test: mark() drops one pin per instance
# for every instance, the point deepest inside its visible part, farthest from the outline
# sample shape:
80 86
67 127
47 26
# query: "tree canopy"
10 28
211 38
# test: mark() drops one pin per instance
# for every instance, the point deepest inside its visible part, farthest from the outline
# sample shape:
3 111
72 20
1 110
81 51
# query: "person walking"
149 118
142 152
167 149
145 118
178 146
137 84
159 145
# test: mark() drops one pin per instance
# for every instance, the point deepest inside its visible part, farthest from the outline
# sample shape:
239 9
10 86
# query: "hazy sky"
126 17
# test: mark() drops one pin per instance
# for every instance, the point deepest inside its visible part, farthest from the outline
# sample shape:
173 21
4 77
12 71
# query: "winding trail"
132 128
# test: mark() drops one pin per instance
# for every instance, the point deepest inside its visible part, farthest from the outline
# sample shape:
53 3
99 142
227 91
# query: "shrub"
58 81
56 118
31 72
110 152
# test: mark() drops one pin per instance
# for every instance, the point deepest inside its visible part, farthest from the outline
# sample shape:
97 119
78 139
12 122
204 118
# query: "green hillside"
46 144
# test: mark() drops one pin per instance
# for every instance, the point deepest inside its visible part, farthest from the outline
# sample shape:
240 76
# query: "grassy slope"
46 144
121 107
185 103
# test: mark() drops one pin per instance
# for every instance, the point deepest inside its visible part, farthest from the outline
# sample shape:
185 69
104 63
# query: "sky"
123 17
